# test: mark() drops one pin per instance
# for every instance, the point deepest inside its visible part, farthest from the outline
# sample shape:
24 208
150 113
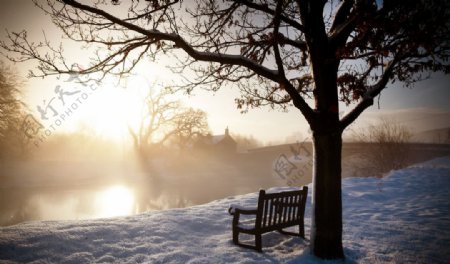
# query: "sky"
107 109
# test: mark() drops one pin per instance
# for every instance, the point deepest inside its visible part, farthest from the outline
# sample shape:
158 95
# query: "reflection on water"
51 203
66 190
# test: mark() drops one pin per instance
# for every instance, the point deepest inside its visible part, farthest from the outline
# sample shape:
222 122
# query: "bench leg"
258 243
235 237
302 230
257 246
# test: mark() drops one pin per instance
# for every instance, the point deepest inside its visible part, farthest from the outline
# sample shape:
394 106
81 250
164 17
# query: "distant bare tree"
166 121
158 115
13 141
189 125
389 147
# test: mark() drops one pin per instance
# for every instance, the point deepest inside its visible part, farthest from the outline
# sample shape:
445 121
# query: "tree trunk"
326 230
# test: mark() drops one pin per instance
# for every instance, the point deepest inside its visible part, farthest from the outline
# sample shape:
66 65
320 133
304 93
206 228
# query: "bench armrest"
237 209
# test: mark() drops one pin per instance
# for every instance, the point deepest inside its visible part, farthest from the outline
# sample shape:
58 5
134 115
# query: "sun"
111 110
115 201
115 108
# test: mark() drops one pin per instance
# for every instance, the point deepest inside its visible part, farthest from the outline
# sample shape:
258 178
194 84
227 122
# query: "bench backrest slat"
265 221
270 202
287 210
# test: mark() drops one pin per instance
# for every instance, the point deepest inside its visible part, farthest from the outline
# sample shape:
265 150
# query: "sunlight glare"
115 201
114 110
114 106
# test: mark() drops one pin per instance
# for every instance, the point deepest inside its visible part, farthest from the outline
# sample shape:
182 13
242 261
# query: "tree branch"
181 43
347 18
368 97
342 14
267 10
276 33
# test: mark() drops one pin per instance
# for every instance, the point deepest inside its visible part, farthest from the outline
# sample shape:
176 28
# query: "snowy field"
401 218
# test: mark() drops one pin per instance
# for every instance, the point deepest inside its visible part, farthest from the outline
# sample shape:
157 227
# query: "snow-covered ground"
401 218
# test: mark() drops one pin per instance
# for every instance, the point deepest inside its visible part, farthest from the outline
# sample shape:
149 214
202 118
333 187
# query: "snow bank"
402 218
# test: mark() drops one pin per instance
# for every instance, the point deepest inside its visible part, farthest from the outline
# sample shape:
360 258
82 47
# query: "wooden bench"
275 212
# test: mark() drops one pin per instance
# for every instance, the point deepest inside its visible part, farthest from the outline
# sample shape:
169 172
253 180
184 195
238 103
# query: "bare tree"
13 141
165 121
155 124
189 125
388 145
277 53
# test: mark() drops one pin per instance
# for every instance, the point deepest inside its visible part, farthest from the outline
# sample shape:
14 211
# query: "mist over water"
78 176
83 177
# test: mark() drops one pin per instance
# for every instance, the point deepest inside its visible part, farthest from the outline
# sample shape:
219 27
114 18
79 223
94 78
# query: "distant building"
219 144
